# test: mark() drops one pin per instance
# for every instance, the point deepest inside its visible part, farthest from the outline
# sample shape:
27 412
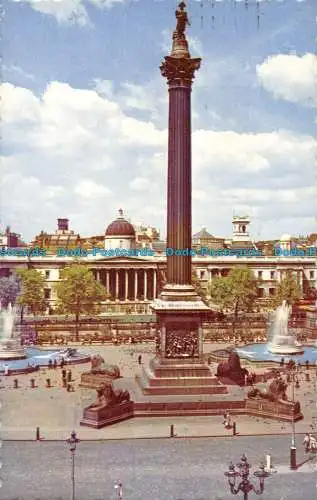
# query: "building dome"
285 237
120 227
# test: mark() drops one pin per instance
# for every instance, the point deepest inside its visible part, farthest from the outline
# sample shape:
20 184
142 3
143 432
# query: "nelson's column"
178 367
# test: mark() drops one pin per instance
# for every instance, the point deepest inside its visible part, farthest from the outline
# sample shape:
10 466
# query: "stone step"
183 381
179 390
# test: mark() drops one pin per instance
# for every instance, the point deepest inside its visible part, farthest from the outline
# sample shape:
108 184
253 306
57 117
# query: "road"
150 469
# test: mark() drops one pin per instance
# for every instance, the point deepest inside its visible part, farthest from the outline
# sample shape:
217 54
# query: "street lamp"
293 461
245 486
72 441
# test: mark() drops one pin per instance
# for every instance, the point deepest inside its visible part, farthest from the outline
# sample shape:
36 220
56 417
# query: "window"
260 274
272 274
271 291
47 293
311 275
243 229
47 274
202 275
261 292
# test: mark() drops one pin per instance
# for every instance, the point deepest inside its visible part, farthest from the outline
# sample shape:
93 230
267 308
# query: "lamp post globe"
245 486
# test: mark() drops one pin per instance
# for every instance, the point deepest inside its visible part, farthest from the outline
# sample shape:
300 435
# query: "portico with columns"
127 283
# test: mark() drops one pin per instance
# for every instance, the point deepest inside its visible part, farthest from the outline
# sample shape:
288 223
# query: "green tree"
288 289
32 295
79 293
9 290
236 292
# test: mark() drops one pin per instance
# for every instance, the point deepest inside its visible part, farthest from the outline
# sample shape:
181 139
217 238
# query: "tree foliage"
79 293
288 289
32 295
236 292
9 290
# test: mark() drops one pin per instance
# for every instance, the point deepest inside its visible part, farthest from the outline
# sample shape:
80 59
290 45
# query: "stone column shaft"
154 283
108 281
179 206
117 284
126 291
136 285
145 284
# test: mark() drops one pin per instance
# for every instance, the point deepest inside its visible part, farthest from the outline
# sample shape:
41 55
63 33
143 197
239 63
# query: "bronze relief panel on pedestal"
182 340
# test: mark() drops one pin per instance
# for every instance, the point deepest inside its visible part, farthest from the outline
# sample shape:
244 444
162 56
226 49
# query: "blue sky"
85 114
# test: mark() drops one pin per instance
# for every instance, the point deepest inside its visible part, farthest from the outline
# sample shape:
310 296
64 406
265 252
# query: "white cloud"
90 189
140 184
290 77
199 194
69 11
104 87
62 150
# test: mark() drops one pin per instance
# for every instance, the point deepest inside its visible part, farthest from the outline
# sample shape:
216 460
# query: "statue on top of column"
182 20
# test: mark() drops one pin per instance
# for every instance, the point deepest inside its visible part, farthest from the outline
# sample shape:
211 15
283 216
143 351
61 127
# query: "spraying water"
10 342
281 339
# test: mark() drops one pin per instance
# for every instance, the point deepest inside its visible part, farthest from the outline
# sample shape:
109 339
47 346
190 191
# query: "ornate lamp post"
293 462
245 486
72 441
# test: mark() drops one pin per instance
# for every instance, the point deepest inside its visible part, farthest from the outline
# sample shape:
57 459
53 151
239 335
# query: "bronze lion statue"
98 365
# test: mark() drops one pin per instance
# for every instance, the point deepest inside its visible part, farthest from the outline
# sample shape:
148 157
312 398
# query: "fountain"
282 341
19 359
281 345
10 341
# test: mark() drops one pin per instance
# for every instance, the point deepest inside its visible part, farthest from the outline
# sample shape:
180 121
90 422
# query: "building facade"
133 277
133 282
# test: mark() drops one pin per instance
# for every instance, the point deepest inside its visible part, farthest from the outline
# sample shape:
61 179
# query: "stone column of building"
108 281
145 284
126 290
98 275
117 284
136 285
154 283
300 279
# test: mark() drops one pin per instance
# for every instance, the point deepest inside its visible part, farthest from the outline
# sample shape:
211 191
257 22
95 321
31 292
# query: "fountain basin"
261 352
285 349
37 358
12 349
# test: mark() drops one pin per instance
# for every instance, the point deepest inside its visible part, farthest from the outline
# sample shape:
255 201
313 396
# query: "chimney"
62 224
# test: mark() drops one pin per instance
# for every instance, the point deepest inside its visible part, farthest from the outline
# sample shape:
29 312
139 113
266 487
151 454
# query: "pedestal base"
95 380
107 416
176 377
270 409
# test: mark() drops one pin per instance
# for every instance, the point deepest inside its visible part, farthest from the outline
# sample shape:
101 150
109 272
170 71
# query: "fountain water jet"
10 341
282 341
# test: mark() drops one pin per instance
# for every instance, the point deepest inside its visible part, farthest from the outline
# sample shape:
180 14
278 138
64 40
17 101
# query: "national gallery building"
135 276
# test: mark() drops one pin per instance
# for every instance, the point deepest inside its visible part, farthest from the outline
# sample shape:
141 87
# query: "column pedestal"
178 368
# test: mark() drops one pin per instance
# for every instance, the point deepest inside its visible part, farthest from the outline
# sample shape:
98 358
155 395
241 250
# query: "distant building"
8 239
203 239
62 238
120 234
146 236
